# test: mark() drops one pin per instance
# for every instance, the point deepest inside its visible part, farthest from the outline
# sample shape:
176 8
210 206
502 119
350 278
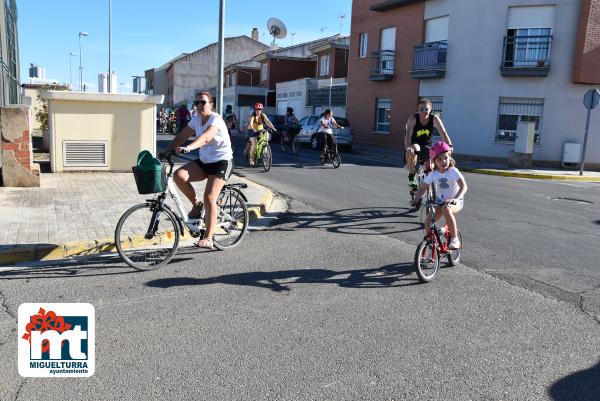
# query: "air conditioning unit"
571 154
85 153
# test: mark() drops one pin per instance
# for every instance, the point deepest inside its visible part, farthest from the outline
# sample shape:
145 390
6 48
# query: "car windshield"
342 121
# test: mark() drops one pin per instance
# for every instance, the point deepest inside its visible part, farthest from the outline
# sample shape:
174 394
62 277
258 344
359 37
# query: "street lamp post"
221 57
71 54
81 62
109 44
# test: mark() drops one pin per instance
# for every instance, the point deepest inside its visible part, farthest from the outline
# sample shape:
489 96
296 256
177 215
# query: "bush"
42 115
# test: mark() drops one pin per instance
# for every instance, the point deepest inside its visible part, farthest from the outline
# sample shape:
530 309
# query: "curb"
44 252
554 177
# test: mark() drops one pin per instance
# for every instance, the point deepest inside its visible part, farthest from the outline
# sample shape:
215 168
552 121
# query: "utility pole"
109 45
221 60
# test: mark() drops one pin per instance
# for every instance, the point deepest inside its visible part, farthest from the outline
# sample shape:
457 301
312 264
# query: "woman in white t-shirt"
326 125
450 188
214 163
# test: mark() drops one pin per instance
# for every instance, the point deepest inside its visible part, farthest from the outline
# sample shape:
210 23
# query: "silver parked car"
310 126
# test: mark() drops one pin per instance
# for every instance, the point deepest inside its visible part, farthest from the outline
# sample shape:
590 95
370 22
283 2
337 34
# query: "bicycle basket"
149 174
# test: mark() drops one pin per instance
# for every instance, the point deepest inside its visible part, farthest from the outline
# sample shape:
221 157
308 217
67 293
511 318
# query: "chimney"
255 33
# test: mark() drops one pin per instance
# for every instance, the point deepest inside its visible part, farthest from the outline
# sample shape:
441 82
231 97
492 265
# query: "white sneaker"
454 243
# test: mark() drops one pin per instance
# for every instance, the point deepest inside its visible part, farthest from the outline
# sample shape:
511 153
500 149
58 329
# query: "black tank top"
422 133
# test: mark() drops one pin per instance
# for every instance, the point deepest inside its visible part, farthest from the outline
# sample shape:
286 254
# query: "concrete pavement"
74 214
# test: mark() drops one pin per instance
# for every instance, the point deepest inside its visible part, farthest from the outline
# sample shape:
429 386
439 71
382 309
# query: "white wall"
473 83
293 97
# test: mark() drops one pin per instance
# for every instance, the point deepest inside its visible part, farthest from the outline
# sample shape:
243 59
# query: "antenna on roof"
293 34
341 18
322 29
277 29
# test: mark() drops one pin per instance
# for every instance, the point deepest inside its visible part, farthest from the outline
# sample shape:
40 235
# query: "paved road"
289 316
512 229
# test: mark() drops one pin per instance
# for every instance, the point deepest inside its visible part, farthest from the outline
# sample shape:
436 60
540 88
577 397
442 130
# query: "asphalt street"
538 234
307 312
324 304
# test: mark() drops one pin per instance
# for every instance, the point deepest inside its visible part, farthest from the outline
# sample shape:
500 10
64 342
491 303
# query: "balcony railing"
429 60
382 65
322 92
526 55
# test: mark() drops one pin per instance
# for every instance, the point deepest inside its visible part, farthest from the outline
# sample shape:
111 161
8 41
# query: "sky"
147 34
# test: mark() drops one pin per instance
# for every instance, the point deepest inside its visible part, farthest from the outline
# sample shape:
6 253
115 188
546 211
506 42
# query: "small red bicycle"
433 247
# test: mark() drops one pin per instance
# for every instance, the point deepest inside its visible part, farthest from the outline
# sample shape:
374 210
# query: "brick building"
530 61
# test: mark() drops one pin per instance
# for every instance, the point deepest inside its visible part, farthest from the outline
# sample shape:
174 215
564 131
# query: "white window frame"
380 102
363 42
264 72
324 65
525 109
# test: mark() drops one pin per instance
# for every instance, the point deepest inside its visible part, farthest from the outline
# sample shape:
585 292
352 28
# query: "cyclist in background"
417 139
256 126
326 125
291 125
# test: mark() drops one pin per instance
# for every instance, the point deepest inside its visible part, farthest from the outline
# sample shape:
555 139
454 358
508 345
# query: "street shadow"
395 275
583 385
377 220
597 222
102 265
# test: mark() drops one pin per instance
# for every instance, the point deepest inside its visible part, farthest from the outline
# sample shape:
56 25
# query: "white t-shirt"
220 147
446 184
328 122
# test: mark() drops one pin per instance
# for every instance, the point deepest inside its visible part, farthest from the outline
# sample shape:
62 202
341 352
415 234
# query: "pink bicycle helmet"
438 148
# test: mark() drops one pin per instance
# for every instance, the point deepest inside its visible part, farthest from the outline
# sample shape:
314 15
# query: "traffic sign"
591 99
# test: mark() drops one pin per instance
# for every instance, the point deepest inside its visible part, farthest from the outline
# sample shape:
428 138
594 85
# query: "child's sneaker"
411 182
454 243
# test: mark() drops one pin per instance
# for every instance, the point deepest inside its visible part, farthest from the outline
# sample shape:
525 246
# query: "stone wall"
18 168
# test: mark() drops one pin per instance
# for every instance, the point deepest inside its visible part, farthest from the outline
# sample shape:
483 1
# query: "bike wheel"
296 145
427 260
336 161
454 255
147 236
284 144
267 158
232 220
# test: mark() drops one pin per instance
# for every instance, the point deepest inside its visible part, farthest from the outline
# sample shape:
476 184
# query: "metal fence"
327 92
382 63
512 110
530 51
430 56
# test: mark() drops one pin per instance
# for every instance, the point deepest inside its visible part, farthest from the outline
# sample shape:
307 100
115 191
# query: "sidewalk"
76 213
395 155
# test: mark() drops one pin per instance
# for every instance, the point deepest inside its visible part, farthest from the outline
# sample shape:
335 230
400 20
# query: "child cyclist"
450 188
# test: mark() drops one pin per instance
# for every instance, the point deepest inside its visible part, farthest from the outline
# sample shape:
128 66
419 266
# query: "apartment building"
319 58
181 78
486 68
9 54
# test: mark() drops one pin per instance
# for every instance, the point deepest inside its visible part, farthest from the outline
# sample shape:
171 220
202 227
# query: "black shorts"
221 169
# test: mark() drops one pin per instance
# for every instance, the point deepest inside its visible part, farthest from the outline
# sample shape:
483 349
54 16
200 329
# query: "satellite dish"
276 29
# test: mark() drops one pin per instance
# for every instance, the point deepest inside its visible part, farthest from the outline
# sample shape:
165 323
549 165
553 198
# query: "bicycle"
232 137
433 247
263 150
331 155
290 140
424 167
147 235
